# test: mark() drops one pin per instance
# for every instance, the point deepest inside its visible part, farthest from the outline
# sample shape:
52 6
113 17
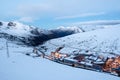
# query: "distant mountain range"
100 38
32 36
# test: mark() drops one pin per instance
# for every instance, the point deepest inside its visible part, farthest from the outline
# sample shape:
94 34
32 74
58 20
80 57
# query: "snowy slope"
21 67
101 40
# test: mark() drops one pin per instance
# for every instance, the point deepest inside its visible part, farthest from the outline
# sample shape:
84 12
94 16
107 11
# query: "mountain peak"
74 28
15 28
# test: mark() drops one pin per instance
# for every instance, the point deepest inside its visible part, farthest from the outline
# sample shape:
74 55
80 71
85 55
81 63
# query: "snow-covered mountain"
100 41
19 32
97 39
32 36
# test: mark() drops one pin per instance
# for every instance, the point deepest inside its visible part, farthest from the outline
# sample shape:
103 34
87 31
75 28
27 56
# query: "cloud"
26 19
57 12
63 9
98 22
80 15
32 9
31 12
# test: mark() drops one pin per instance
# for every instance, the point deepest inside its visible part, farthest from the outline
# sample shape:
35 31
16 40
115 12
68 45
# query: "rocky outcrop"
11 24
1 23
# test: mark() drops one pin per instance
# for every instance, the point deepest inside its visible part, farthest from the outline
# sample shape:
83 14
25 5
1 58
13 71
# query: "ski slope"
99 41
21 67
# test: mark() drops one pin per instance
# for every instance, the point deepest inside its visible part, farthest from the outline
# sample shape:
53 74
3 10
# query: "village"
99 63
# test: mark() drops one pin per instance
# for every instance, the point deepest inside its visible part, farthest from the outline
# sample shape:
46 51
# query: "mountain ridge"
30 35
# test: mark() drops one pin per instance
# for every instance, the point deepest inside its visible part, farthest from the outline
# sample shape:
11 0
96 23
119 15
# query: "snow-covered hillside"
98 39
101 41
21 67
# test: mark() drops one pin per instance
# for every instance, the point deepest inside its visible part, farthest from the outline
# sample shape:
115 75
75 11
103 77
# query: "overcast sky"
54 13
